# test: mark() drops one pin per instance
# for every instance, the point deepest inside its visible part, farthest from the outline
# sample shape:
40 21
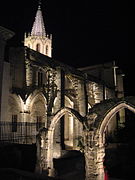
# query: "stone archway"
97 121
50 133
102 129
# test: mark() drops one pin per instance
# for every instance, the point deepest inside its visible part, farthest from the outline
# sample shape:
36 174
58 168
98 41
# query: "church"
56 106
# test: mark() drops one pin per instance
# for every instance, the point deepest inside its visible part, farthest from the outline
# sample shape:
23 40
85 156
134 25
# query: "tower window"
38 47
40 78
14 123
46 49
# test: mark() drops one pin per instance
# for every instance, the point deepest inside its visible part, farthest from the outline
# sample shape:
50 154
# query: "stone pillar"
90 156
5 34
58 136
94 156
100 159
82 98
41 142
50 149
29 73
90 165
99 140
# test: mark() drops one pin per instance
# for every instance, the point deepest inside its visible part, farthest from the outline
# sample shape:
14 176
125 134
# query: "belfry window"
40 78
14 123
38 47
46 49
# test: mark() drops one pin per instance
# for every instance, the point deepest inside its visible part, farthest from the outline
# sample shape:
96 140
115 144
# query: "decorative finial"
39 4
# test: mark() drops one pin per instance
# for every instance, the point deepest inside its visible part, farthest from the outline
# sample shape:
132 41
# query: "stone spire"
38 39
38 28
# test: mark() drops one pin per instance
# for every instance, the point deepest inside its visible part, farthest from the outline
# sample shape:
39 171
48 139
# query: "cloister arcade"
93 132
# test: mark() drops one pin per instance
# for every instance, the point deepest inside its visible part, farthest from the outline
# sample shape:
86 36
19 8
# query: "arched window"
40 78
14 123
46 49
38 47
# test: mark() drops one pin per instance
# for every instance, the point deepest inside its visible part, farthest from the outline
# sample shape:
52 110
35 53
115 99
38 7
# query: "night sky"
84 32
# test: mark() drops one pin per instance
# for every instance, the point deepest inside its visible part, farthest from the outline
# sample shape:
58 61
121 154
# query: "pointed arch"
99 118
51 129
47 50
15 104
30 99
112 112
13 114
61 112
107 109
37 107
38 47
100 113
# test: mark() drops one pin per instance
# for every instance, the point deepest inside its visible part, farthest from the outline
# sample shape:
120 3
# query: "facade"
53 105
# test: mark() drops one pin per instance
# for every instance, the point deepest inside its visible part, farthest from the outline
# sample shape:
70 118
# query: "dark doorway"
70 166
120 150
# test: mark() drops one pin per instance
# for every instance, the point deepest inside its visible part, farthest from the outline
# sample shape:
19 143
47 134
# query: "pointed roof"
38 28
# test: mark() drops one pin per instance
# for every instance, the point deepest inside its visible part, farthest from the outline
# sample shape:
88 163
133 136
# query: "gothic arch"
60 113
17 99
51 129
38 47
15 107
98 119
38 110
112 112
106 110
31 98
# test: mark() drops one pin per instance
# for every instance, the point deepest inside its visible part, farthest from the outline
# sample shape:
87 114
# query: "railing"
25 132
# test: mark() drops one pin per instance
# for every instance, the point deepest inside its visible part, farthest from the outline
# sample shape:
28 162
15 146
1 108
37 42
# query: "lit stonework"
38 40
51 104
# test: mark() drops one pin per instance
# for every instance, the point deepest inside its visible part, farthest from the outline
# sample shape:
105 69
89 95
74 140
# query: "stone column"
100 159
94 156
58 136
82 98
90 165
41 142
90 156
5 34
29 73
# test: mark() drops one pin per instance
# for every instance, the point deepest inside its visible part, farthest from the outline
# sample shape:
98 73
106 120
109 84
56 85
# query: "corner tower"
38 40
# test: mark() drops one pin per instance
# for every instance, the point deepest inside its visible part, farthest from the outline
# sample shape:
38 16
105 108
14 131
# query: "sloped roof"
5 33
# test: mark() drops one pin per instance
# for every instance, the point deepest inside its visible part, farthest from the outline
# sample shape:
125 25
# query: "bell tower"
38 40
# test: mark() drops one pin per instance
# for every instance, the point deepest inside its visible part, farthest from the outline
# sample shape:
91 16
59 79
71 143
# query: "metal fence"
24 133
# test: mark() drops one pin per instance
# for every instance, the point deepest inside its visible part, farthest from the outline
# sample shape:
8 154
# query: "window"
40 78
38 123
38 47
46 49
14 123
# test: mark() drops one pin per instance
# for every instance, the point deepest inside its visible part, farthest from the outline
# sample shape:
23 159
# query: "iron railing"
25 132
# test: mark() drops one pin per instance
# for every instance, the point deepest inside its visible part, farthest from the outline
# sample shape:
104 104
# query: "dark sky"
84 32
